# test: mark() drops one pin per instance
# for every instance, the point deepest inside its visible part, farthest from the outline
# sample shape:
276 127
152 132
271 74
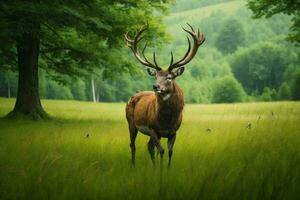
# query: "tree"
268 94
284 92
67 38
78 90
227 90
261 65
231 36
263 8
56 91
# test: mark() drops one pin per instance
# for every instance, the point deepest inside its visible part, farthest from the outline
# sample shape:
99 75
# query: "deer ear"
178 72
151 72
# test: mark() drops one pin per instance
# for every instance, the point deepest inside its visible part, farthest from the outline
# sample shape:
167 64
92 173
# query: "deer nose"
155 87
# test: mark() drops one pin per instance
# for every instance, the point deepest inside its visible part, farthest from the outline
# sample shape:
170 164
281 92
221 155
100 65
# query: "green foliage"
55 91
197 92
211 20
231 36
227 90
106 92
268 94
78 89
262 8
117 75
296 86
284 92
261 65
183 5
8 84
209 64
72 38
76 36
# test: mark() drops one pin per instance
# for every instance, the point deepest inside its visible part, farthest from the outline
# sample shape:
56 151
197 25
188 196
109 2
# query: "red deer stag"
159 113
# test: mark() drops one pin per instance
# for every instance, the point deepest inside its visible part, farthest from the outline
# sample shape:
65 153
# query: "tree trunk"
93 91
28 102
98 96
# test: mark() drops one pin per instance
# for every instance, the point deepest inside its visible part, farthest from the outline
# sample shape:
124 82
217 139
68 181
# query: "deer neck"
170 108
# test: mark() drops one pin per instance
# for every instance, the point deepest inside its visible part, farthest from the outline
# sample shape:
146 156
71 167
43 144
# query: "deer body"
158 114
146 111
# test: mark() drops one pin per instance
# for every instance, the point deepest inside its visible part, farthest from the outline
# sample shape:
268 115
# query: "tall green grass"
55 160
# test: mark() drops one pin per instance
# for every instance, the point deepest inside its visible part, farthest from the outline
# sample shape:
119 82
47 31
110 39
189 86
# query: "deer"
158 113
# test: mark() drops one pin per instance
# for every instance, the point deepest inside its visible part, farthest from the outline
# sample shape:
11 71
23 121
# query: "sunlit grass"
55 160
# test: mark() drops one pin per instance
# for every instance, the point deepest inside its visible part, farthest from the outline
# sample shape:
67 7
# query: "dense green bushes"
284 92
261 65
227 90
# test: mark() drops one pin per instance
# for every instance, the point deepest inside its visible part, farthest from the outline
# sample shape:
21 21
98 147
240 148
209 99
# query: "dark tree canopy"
264 8
68 38
231 36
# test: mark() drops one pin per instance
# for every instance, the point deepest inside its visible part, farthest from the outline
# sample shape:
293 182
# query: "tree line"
75 50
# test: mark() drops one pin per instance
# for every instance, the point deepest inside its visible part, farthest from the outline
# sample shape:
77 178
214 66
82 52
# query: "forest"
243 59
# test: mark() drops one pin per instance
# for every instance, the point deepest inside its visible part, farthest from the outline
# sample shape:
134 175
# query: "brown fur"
147 108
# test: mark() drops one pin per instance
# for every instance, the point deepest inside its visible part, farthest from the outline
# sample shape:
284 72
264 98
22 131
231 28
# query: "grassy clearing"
54 159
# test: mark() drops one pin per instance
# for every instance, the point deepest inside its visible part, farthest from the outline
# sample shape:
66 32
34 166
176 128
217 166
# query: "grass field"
54 159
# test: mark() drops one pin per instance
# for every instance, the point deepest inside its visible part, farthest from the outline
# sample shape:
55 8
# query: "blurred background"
243 59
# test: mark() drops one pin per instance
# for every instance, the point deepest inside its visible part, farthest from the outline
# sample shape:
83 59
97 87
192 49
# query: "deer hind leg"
151 150
133 132
171 141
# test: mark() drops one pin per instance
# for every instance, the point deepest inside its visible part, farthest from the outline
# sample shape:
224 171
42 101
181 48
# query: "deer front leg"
171 141
151 147
156 141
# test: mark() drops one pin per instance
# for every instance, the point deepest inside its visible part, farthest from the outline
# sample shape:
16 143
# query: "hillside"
184 5
199 13
210 20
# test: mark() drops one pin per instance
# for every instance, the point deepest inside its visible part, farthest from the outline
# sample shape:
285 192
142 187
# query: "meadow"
217 155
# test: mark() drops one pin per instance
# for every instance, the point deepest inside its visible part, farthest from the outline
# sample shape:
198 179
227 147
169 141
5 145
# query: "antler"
198 39
132 44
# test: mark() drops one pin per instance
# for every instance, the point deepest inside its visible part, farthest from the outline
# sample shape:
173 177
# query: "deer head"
164 84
